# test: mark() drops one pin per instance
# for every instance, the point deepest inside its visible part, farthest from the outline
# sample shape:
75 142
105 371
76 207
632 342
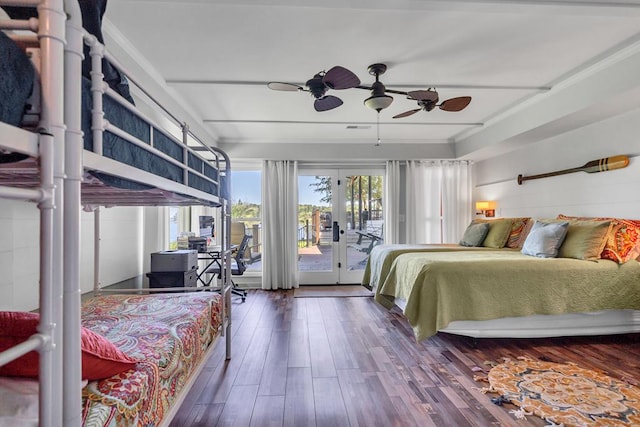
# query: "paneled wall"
121 245
612 193
19 255
122 248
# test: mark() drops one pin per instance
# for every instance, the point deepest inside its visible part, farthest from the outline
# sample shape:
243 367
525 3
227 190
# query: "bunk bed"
124 159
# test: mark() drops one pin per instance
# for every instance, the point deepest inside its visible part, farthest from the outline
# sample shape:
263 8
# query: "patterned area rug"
564 394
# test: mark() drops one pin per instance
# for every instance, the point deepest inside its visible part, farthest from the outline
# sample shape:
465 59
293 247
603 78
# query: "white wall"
121 245
19 254
612 193
124 249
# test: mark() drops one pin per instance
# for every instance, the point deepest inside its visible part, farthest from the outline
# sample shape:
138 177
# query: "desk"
213 255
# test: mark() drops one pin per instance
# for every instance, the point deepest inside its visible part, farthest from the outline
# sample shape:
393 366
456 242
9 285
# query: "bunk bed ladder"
50 30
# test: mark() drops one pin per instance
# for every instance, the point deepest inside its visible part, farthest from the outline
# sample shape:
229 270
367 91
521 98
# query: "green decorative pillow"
585 239
474 234
499 231
623 241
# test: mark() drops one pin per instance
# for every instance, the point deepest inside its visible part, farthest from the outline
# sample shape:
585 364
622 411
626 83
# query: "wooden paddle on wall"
600 165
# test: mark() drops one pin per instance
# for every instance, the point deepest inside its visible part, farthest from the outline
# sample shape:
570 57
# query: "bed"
382 258
481 235
164 336
124 159
120 141
489 292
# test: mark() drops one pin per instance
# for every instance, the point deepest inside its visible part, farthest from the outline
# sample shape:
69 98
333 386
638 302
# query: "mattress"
16 83
382 257
124 151
442 287
169 332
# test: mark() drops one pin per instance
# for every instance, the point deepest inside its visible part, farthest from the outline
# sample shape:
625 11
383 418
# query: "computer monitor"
206 226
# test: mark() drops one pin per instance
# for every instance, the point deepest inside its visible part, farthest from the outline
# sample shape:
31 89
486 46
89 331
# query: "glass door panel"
362 203
340 221
317 259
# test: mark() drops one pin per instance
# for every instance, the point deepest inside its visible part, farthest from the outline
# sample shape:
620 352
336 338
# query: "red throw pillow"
100 358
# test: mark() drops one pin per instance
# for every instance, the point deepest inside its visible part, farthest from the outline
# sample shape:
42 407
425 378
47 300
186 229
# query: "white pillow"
544 239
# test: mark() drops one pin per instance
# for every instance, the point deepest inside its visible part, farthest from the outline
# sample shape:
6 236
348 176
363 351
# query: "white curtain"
457 208
438 195
280 222
424 180
158 231
393 203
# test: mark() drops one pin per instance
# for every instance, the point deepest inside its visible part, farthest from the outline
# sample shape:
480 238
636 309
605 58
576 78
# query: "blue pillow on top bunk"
100 357
92 12
545 238
16 81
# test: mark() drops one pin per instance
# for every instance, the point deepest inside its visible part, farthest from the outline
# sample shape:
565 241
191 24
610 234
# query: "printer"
179 260
174 269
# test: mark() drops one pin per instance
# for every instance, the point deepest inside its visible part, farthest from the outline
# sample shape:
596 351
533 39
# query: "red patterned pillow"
519 232
623 240
100 358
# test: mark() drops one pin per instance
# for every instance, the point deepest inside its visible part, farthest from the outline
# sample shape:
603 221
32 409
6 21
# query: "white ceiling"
533 68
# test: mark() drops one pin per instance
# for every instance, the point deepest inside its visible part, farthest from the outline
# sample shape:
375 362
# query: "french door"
340 220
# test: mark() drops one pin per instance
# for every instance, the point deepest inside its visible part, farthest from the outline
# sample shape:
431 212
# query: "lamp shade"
378 102
484 205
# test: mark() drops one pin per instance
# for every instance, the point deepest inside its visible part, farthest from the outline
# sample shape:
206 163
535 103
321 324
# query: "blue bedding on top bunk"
16 84
124 151
92 12
16 81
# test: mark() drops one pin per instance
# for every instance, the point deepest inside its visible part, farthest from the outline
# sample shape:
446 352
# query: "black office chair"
238 266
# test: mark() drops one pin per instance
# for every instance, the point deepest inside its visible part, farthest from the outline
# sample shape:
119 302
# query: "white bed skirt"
605 322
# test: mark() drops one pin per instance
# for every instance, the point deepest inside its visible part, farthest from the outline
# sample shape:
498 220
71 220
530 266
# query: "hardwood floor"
349 362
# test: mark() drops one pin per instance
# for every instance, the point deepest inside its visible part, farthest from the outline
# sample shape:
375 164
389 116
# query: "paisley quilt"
168 333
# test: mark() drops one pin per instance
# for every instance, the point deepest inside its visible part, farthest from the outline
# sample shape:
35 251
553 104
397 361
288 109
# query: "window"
173 228
179 221
246 210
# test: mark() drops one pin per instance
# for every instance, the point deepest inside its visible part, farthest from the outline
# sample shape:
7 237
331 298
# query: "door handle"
336 231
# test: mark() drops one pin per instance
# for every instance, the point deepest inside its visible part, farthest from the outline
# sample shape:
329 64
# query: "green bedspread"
382 256
440 287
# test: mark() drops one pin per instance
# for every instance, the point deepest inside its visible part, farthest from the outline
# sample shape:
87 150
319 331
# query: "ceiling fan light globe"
378 102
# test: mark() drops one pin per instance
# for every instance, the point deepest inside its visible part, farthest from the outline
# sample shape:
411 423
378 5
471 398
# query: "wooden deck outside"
318 257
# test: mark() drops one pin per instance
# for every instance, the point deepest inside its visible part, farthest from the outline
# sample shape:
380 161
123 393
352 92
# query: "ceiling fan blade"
340 78
423 95
406 113
326 103
455 104
289 87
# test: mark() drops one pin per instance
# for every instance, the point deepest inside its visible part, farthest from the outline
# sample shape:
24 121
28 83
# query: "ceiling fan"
340 78
336 78
428 100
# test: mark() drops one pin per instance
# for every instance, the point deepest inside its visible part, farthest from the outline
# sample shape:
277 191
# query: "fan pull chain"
378 129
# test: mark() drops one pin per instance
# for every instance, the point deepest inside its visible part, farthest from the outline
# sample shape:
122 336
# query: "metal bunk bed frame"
58 146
